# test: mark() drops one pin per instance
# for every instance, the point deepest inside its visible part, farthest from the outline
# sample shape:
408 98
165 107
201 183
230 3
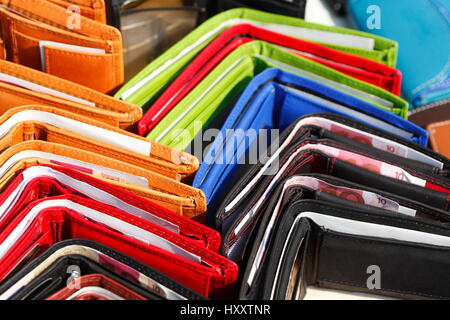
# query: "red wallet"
48 221
47 181
355 66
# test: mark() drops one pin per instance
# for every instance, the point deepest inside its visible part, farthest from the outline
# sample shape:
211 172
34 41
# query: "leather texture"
85 101
103 72
268 102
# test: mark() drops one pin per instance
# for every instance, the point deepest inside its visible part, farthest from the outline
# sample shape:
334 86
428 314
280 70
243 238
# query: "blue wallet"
273 100
424 43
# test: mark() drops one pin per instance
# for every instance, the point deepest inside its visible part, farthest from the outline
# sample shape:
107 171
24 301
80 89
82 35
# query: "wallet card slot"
97 133
84 188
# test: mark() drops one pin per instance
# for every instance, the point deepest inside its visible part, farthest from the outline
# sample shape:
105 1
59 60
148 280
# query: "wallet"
46 37
434 112
323 188
273 100
148 84
357 67
21 86
332 246
92 9
61 179
428 20
48 221
58 126
439 134
56 261
237 217
180 126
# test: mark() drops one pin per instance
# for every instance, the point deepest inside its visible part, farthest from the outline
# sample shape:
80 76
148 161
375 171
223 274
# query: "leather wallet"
242 206
327 189
173 195
20 86
360 68
434 112
92 9
273 100
46 222
332 246
439 134
295 8
44 36
53 125
180 126
148 84
95 287
25 284
47 180
427 26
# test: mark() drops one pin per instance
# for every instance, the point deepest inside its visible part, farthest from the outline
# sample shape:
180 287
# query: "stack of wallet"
260 157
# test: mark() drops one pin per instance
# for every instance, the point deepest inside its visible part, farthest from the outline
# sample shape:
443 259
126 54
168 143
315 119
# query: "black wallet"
241 210
338 247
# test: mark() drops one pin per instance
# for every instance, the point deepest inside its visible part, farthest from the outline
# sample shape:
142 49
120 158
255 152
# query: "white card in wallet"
64 46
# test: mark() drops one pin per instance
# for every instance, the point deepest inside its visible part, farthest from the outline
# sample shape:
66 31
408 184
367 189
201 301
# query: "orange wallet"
168 193
24 86
440 137
44 36
92 9
2 50
59 126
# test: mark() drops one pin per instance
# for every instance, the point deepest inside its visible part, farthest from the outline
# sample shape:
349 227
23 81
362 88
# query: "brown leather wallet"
59 126
168 193
44 36
24 86
426 115
92 9
440 137
94 281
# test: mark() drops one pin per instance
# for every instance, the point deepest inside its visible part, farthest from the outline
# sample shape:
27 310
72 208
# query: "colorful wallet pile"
260 157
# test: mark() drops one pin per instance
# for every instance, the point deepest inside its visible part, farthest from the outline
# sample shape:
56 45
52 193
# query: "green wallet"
231 76
147 85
